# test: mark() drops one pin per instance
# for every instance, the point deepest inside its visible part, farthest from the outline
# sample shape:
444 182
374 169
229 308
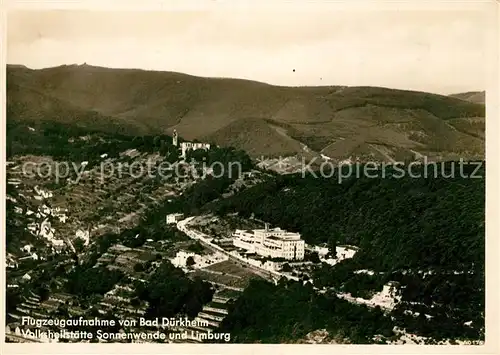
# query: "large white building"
185 146
274 242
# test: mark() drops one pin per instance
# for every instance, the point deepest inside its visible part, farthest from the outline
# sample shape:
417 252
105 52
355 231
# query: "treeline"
66 142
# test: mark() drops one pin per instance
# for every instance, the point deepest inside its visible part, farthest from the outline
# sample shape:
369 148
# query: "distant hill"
477 97
368 123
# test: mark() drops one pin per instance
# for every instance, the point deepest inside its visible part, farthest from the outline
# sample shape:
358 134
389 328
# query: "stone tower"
174 138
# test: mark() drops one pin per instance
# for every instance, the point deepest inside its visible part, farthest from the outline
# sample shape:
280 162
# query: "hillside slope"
360 122
36 107
478 97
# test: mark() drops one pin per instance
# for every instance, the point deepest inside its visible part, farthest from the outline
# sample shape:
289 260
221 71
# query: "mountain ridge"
478 97
337 121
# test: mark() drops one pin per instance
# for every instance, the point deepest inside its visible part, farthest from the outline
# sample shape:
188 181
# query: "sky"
435 51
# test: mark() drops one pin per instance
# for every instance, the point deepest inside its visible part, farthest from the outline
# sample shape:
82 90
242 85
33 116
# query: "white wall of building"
274 243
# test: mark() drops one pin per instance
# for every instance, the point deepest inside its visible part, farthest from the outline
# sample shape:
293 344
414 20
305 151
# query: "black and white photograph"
247 175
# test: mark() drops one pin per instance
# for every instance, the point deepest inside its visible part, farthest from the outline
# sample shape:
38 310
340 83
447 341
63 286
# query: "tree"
190 261
286 268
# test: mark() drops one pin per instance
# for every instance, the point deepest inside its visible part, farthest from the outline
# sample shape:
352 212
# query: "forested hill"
426 234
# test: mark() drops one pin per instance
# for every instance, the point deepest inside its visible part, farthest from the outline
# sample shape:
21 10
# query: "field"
226 273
